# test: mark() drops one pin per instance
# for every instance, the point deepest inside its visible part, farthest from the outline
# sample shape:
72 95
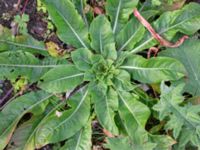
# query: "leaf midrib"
117 16
67 77
72 29
24 45
107 108
71 115
39 124
18 118
129 109
129 40
30 66
83 14
79 139
143 68
74 112
100 41
180 114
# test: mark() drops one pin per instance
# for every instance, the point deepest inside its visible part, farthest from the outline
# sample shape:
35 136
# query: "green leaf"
188 54
23 42
119 143
61 79
15 110
15 64
105 102
183 120
123 81
185 20
119 12
136 108
82 59
134 115
60 127
81 140
22 134
102 38
163 142
153 70
70 26
30 140
54 107
131 34
80 6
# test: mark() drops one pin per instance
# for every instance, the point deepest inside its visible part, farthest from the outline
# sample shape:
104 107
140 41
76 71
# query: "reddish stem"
160 39
154 50
98 10
18 3
6 96
24 8
108 134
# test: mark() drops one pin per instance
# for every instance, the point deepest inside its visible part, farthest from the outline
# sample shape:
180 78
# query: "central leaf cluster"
101 70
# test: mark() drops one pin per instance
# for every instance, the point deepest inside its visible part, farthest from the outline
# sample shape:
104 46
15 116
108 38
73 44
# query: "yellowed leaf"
53 49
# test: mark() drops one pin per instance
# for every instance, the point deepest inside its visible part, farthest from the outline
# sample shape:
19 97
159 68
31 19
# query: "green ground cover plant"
103 79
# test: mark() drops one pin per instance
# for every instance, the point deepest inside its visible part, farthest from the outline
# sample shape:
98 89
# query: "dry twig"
160 39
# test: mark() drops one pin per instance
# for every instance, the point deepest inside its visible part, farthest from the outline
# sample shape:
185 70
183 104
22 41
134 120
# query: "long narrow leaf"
61 79
153 70
81 140
18 63
102 38
119 11
71 28
57 128
14 111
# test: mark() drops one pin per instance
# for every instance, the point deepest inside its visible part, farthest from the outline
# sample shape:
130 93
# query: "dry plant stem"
160 39
6 95
24 8
152 50
16 95
107 133
18 3
98 11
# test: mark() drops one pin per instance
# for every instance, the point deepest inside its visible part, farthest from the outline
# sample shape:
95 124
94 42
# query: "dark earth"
37 27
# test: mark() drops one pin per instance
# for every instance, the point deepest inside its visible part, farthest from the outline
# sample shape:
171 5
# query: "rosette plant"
104 77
